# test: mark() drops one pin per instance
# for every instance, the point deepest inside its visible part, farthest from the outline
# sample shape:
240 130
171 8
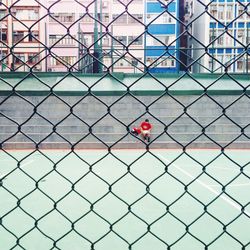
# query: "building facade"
90 36
22 36
224 31
124 36
131 35
98 35
162 45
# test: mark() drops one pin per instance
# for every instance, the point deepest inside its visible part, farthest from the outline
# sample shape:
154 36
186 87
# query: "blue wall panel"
158 8
160 50
161 28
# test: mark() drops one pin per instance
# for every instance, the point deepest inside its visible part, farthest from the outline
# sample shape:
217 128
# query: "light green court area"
125 199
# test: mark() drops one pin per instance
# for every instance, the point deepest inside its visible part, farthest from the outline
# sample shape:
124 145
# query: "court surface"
92 199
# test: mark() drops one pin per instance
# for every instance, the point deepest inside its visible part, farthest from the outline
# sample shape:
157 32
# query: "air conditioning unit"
164 3
38 67
105 4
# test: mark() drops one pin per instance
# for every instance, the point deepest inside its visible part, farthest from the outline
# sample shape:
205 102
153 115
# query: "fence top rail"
120 83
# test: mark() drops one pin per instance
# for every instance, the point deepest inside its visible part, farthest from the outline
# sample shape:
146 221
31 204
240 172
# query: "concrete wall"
177 120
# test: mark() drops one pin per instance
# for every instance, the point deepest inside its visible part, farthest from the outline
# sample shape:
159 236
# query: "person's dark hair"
146 120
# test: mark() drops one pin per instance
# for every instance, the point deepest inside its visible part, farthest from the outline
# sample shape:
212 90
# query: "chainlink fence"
76 77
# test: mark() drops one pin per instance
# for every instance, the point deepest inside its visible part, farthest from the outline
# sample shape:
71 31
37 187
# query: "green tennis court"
125 199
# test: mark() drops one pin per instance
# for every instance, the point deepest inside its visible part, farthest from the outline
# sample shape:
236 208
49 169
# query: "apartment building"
101 31
224 30
162 43
90 36
22 43
127 30
61 35
3 38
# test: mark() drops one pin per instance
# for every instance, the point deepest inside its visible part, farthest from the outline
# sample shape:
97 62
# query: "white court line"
22 165
222 196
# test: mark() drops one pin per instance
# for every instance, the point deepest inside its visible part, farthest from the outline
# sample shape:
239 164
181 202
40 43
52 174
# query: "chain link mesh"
49 118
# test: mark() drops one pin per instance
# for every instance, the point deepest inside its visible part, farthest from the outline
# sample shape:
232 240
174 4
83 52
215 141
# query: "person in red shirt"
146 127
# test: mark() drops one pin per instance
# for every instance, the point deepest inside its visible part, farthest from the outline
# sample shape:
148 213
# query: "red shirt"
146 126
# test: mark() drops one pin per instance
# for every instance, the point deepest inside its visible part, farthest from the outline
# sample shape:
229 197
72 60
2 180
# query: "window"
248 38
3 59
241 35
135 40
121 39
248 63
105 17
161 40
240 64
54 38
88 39
105 41
217 65
120 19
220 38
159 19
166 18
213 10
162 62
228 61
3 36
68 40
69 59
228 38
229 13
87 18
18 35
122 62
63 17
26 14
2 13
221 11
167 62
33 36
211 63
151 17
19 58
212 35
240 11
60 40
33 58
63 60
136 19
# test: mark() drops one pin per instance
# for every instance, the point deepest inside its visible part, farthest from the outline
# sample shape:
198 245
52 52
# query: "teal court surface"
125 199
